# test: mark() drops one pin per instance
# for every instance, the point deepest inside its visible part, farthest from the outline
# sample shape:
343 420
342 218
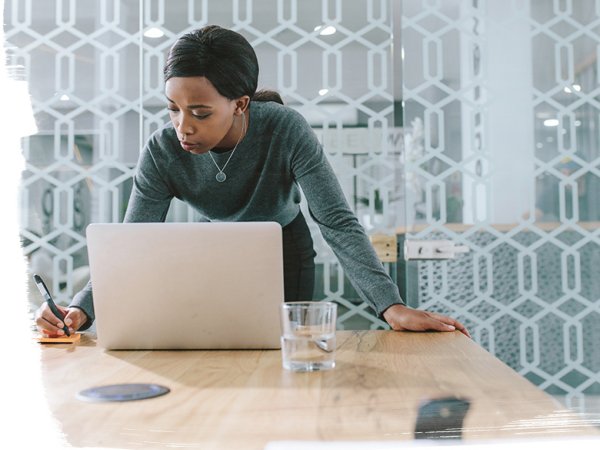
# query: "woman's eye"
197 116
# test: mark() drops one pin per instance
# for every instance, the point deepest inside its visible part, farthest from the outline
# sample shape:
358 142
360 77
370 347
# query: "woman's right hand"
51 326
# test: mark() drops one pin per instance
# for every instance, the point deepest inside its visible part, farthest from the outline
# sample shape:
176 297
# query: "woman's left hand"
403 318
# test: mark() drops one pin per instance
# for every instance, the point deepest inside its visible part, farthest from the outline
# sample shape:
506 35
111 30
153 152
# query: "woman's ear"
241 104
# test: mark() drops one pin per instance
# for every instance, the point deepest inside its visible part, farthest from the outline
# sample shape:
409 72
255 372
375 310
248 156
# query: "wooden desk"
244 399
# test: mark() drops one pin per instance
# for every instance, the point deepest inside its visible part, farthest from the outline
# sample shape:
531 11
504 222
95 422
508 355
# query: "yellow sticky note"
60 340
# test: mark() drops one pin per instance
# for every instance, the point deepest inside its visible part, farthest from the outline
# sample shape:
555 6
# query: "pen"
44 290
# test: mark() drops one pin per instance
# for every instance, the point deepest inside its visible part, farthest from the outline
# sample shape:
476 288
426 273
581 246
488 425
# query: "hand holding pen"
50 302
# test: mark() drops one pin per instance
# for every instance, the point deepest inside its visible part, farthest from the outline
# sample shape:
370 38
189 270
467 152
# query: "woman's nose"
184 125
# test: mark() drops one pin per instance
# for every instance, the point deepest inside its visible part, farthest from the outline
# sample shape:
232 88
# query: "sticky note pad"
75 337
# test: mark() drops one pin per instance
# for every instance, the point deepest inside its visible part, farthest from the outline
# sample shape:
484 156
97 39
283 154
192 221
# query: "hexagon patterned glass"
502 159
94 69
498 153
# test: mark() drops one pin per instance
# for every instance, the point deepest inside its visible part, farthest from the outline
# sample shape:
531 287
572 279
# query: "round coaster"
122 392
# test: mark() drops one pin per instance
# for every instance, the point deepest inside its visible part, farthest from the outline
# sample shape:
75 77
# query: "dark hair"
224 57
265 95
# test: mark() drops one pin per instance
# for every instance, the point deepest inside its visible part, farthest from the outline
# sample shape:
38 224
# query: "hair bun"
266 95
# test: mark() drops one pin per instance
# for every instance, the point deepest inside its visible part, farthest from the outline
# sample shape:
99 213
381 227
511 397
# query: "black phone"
441 418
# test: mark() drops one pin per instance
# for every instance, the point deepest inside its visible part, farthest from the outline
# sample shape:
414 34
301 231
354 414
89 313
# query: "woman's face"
202 117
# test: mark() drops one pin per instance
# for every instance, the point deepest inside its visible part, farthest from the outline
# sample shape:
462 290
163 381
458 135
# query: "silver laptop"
187 285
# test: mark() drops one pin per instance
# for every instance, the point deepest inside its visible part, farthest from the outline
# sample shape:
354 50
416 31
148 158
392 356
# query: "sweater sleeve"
338 224
149 202
152 193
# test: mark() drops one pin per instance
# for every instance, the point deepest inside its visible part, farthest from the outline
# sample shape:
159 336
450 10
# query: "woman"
236 156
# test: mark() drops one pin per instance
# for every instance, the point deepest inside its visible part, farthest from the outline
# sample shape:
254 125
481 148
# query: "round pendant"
221 177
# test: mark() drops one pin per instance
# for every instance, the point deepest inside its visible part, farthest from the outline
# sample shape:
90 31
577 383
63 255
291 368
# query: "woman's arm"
347 239
149 202
338 224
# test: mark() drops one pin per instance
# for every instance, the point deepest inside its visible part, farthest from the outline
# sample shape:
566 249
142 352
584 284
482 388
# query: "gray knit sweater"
279 153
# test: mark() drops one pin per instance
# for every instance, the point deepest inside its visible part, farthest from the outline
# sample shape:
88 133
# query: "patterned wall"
527 290
503 155
96 86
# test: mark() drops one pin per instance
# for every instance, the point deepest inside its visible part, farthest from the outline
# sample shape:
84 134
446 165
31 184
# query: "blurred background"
469 123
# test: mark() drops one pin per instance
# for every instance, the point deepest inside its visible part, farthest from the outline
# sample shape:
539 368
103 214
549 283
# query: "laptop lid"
187 285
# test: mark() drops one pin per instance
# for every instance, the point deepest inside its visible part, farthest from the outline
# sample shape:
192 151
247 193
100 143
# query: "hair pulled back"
224 57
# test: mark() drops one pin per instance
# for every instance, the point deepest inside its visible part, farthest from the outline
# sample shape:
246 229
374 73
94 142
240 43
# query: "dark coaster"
122 392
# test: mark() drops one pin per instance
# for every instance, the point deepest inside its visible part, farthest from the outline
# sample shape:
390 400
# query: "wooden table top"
244 399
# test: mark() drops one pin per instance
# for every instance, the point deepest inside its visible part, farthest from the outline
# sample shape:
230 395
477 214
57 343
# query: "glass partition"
94 69
502 157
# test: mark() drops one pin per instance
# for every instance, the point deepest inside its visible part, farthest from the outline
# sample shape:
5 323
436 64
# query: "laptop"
210 285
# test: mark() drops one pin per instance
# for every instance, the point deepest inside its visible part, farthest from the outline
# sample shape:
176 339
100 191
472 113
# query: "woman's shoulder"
163 138
279 117
163 143
161 147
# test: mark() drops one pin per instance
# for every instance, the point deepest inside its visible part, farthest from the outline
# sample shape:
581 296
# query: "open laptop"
187 285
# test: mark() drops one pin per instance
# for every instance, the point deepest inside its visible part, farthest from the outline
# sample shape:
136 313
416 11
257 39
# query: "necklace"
220 174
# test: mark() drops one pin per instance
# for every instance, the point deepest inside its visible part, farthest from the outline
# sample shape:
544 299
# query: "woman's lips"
188 146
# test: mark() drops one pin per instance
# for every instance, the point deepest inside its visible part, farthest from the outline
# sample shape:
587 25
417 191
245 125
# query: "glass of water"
308 336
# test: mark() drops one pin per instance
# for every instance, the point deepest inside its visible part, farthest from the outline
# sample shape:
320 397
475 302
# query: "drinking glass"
308 336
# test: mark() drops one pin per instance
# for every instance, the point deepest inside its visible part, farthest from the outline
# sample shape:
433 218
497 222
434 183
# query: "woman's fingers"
450 321
74 319
433 323
401 317
416 320
47 322
460 327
